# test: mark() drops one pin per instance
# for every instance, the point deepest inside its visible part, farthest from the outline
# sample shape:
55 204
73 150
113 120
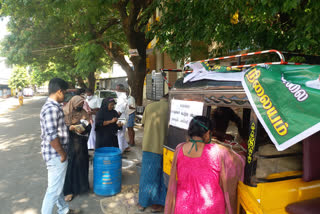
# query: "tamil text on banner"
286 99
183 111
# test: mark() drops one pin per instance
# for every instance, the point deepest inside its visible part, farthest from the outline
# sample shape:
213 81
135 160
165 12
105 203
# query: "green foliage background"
262 24
19 78
78 39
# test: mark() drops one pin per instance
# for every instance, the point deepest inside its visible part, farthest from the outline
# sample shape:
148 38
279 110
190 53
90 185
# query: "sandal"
68 198
157 209
141 208
127 149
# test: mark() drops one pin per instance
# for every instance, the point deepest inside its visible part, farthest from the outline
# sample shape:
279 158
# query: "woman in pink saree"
204 175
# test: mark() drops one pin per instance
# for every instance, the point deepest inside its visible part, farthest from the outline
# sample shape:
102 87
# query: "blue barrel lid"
109 151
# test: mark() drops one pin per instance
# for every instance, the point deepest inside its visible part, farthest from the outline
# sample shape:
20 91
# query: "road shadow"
23 177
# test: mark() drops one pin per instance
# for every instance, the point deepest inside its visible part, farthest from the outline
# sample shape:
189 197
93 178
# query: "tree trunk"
136 79
91 80
136 76
134 29
81 82
72 85
199 50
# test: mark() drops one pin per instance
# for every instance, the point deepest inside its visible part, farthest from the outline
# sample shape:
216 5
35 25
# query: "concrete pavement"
12 103
23 177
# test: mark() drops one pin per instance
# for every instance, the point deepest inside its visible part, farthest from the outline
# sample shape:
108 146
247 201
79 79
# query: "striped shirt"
52 126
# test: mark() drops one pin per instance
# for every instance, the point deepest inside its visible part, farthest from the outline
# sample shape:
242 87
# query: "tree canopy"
46 36
230 25
76 39
19 78
79 37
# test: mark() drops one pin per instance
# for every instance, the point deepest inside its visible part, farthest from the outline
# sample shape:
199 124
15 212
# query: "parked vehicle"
28 92
139 114
69 94
273 179
106 93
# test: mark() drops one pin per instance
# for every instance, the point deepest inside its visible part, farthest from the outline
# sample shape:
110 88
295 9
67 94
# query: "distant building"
5 72
115 77
111 82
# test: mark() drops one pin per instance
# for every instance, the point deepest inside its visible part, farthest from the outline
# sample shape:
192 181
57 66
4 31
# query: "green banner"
286 99
219 68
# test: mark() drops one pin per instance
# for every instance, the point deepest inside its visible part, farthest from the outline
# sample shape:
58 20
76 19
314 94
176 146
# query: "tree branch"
81 82
134 12
148 40
111 23
142 24
122 8
146 14
117 54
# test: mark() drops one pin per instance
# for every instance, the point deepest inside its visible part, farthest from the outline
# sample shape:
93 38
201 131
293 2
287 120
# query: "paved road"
23 177
12 103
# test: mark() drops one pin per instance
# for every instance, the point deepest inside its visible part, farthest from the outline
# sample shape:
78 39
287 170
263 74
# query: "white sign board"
133 52
183 111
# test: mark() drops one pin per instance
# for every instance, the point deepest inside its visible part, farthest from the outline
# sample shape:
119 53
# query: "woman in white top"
94 105
122 108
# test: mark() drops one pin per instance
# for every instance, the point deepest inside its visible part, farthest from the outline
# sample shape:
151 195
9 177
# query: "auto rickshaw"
275 181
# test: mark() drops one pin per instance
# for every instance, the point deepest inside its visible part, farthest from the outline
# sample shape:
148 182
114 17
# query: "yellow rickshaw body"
273 197
269 197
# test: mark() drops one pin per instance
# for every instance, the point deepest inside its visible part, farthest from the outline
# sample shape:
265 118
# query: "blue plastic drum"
107 171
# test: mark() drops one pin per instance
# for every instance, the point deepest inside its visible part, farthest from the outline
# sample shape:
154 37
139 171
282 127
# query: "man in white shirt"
132 114
122 108
94 105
